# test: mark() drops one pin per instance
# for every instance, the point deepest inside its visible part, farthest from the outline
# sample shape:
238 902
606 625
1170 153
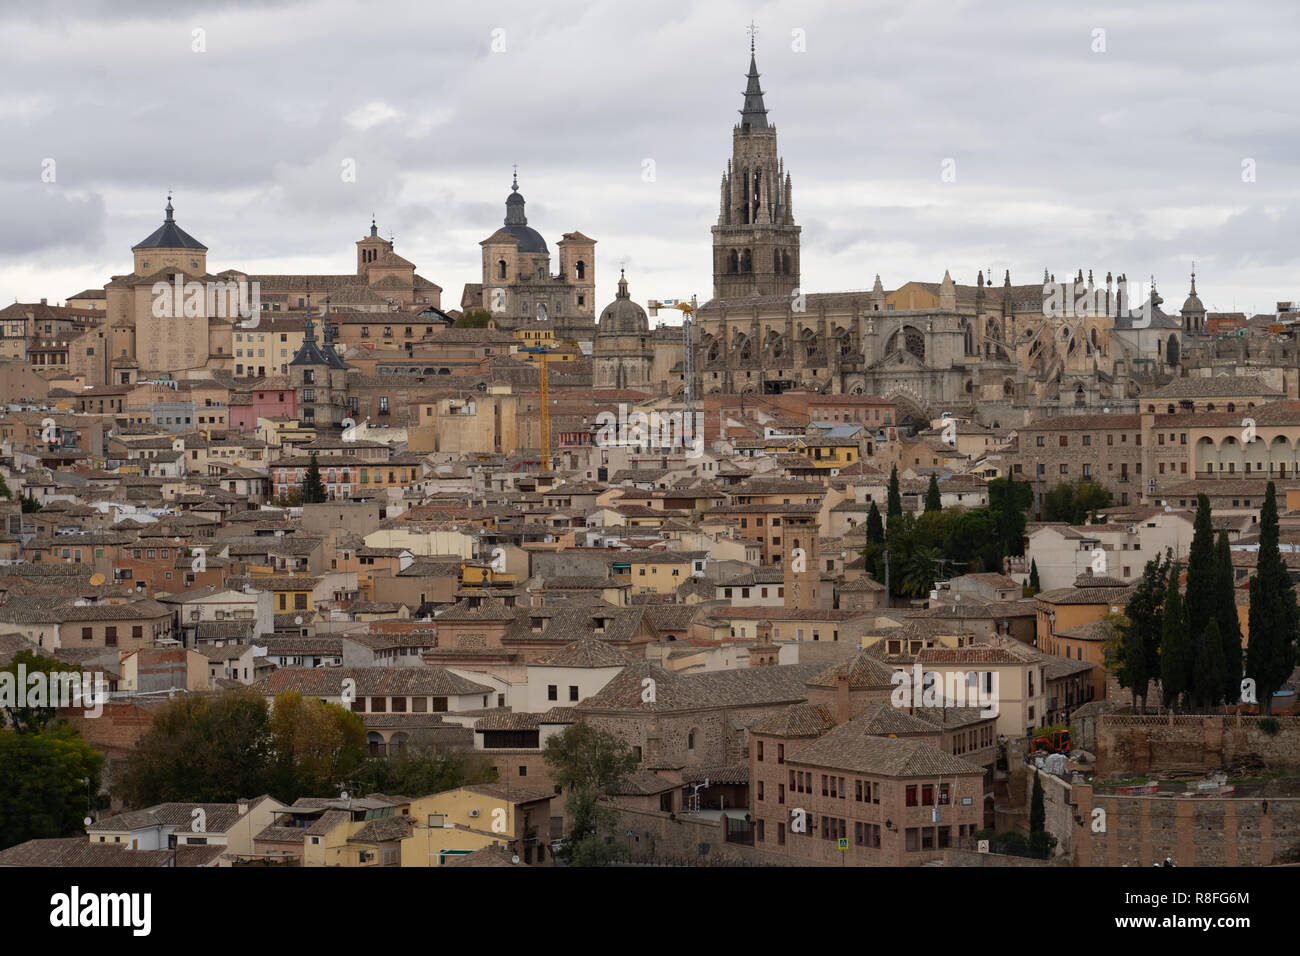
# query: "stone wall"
1192 831
656 834
1133 744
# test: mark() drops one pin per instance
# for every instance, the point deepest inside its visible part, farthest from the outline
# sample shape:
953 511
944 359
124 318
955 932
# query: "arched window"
747 262
776 262
501 269
580 269
733 262
785 262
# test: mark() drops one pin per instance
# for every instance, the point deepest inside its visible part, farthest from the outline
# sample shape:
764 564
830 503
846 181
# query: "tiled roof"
371 682
801 720
748 686
384 830
585 652
864 672
853 748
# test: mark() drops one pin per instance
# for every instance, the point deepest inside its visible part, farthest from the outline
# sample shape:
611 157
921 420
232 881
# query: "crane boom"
544 393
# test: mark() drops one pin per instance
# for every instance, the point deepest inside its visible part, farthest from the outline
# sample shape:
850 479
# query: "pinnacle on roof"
169 235
754 113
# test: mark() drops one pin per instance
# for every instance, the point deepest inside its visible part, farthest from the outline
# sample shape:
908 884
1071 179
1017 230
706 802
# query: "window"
552 692
573 692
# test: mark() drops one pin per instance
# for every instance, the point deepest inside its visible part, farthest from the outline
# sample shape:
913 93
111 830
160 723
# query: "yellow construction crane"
688 310
544 396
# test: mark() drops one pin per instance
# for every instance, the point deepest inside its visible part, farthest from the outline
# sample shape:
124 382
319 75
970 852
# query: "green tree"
25 663
1274 621
969 538
474 319
316 746
1138 655
918 574
313 488
1200 603
589 764
1176 660
894 501
1225 612
290 499
201 748
1073 502
421 771
46 784
1035 585
1010 500
875 526
933 502
29 505
1040 841
1209 666
4 489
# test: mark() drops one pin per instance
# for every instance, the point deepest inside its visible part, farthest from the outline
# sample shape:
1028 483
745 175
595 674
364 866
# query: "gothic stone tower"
756 242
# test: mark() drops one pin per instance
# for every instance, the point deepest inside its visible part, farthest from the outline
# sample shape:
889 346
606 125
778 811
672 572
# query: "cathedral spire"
754 113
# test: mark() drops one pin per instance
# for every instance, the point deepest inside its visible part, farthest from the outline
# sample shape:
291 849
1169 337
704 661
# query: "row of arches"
741 262
810 346
1273 454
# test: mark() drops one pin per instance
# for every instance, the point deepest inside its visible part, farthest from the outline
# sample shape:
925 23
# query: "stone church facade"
990 350
518 287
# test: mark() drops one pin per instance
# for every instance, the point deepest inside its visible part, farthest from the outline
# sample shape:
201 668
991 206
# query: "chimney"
842 699
44 302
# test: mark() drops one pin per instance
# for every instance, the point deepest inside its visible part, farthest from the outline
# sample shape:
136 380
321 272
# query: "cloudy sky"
1076 135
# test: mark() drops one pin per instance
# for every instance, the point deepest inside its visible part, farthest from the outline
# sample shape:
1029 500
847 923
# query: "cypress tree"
1011 520
1038 819
1033 576
1225 613
313 488
1175 650
1200 603
875 526
894 505
932 500
1209 666
1139 650
1274 617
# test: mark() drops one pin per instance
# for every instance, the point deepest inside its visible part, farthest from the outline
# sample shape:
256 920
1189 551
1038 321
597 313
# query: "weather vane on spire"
515 184
752 30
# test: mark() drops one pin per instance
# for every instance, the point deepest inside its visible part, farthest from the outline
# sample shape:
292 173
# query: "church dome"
623 315
516 223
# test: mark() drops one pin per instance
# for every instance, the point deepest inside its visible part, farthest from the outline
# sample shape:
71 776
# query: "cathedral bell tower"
756 241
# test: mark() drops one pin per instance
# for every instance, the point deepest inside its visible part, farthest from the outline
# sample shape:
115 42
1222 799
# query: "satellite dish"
343 795
88 821
96 579
515 858
298 619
